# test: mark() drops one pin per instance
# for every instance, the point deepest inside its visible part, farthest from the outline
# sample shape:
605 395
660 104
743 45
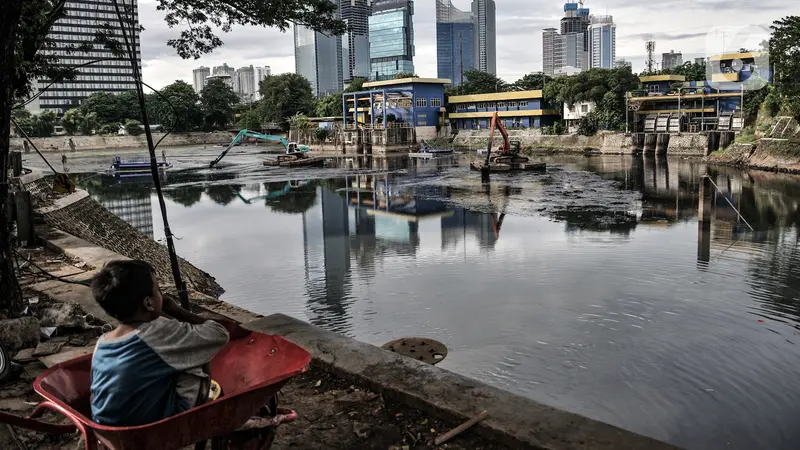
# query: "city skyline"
685 30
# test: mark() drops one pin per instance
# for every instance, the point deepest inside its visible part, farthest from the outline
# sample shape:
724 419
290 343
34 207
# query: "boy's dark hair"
121 286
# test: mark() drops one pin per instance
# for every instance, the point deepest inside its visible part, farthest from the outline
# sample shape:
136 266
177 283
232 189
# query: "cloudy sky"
695 27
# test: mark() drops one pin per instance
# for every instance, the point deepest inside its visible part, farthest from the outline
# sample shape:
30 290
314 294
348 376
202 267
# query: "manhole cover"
422 349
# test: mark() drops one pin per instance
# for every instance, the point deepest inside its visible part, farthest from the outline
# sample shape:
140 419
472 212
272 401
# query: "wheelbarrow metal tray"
249 370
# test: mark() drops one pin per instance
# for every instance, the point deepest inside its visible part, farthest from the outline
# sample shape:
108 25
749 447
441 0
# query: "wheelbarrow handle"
31 423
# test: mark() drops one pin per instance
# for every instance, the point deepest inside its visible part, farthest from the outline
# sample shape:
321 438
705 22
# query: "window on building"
490 105
501 104
512 104
523 104
436 102
422 102
584 109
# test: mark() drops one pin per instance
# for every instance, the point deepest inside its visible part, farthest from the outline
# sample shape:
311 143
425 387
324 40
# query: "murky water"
588 287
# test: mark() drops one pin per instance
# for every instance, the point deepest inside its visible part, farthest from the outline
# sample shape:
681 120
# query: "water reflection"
618 287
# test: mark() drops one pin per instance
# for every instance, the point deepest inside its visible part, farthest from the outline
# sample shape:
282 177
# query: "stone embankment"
778 151
61 143
604 142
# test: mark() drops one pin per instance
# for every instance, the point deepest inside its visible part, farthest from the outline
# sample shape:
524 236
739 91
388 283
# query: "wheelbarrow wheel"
5 364
260 439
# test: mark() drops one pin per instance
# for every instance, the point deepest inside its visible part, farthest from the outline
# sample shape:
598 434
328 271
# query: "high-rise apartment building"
485 35
391 38
671 60
562 53
199 76
318 57
355 42
108 74
224 69
261 73
244 83
455 41
602 42
576 20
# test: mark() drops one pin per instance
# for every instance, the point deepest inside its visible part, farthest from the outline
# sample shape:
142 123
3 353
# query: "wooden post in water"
704 220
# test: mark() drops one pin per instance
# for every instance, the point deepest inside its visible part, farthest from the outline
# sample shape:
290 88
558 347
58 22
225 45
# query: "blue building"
522 109
728 71
391 35
456 48
412 102
602 42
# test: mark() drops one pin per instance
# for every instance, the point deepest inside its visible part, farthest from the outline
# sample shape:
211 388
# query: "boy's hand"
169 305
235 331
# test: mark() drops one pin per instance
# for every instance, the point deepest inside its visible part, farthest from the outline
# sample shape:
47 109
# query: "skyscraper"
562 51
602 42
355 42
224 69
455 41
549 37
108 74
576 20
485 35
671 60
261 73
391 38
318 58
244 83
199 76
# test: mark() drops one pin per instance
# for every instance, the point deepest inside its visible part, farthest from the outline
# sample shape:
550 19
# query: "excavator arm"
266 137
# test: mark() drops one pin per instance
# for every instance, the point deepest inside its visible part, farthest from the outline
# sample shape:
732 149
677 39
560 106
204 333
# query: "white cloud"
678 25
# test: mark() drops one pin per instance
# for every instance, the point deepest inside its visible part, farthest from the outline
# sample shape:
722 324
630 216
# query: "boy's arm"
172 308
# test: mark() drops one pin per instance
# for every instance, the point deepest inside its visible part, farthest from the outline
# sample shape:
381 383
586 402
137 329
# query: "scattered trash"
81 265
460 429
760 321
16 334
65 316
47 348
361 430
48 332
318 383
24 355
33 301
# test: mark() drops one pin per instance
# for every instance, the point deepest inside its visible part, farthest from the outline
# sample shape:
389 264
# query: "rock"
47 348
16 334
65 316
24 355
14 404
362 430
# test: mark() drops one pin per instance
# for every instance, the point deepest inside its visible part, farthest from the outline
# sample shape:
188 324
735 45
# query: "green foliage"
218 99
71 121
181 108
752 103
785 59
588 124
109 128
531 82
251 119
773 103
89 123
299 121
322 134
747 136
331 105
478 82
691 70
285 96
133 127
606 88
402 75
35 125
111 108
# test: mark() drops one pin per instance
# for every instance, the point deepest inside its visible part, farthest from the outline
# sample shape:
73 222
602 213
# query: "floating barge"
120 167
297 159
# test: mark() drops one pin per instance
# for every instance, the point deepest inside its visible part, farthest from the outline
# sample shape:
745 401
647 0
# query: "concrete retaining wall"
513 420
533 140
81 216
61 143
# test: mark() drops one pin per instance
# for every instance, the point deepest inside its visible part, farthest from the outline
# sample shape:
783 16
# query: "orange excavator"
507 157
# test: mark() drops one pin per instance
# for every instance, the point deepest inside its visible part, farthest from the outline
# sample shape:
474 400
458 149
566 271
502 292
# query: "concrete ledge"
75 247
63 202
513 420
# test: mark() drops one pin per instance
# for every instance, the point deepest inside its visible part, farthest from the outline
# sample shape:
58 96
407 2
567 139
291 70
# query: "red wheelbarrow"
250 371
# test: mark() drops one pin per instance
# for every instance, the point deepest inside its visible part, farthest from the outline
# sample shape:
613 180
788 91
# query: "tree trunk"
10 295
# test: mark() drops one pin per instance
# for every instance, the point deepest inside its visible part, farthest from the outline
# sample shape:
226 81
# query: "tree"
401 75
89 124
25 56
331 104
133 127
479 82
531 82
785 59
251 119
71 121
284 96
178 106
691 70
218 99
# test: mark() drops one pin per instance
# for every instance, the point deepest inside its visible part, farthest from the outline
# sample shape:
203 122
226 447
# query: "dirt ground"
332 413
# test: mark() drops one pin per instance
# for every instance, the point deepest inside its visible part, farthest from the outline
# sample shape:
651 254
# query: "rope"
729 202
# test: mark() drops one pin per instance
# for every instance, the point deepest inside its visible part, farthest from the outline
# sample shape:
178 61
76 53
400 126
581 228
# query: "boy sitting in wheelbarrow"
150 367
